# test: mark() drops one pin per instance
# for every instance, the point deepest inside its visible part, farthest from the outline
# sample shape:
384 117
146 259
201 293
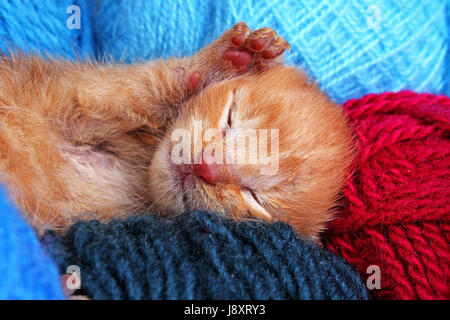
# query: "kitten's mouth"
183 178
187 184
187 180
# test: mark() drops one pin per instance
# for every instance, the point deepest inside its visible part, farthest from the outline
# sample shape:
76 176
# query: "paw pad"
193 80
240 59
257 46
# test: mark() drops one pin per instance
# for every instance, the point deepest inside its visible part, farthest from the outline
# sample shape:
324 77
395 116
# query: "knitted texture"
41 26
399 198
350 48
26 271
200 256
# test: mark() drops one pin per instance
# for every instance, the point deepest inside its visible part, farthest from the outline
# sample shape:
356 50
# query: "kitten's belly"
104 185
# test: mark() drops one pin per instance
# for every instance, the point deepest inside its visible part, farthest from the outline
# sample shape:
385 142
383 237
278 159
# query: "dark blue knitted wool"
201 256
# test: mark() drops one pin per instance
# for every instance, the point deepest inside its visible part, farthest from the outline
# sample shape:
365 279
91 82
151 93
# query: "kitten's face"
297 152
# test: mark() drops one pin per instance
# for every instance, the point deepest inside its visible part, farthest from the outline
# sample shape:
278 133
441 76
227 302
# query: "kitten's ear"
254 206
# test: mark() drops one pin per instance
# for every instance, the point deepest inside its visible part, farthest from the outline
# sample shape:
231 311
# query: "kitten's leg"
142 92
237 51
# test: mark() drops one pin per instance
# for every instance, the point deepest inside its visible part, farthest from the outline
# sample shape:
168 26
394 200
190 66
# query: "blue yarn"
201 256
26 271
40 26
330 39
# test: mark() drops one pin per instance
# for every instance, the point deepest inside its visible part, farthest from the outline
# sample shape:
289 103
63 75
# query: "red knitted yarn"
399 196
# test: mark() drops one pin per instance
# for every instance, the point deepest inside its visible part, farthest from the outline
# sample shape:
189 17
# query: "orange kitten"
87 140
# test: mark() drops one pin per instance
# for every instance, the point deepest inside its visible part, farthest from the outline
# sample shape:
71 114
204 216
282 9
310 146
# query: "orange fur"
88 140
315 151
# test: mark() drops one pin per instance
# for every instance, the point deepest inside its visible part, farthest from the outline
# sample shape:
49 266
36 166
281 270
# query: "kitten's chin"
180 198
171 190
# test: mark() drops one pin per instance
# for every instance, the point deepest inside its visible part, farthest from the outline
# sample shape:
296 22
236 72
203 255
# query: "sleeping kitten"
86 140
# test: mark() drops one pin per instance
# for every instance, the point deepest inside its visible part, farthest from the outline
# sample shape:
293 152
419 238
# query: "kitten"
87 140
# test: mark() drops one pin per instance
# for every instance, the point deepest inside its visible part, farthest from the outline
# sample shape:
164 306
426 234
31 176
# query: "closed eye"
252 200
230 114
226 120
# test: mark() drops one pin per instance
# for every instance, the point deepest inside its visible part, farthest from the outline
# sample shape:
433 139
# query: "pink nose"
207 172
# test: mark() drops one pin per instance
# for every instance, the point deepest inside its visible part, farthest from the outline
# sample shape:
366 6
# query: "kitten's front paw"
237 51
244 49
